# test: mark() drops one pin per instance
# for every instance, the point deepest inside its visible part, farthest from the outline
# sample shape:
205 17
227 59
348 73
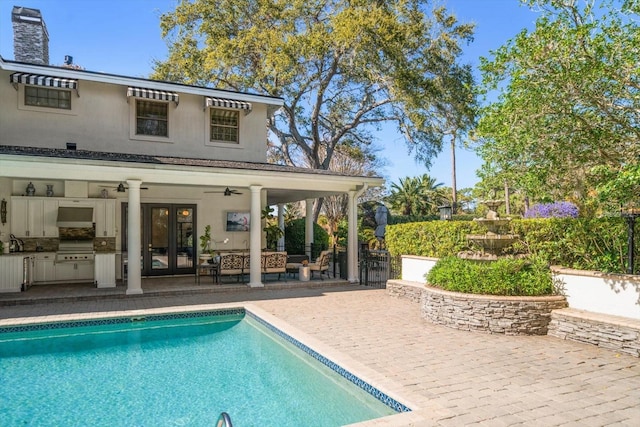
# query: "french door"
167 240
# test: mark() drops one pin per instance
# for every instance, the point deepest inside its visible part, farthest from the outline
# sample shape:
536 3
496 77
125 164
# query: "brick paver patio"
451 377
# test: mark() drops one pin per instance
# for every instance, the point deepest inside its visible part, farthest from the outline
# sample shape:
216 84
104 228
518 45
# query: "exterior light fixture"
121 188
445 213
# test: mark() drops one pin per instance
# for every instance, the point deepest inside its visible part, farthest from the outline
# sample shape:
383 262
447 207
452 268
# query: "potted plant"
205 244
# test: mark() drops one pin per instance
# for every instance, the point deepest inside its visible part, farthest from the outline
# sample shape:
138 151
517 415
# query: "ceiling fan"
227 192
121 188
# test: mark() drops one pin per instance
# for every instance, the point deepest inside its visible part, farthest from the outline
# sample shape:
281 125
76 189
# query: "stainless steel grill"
75 251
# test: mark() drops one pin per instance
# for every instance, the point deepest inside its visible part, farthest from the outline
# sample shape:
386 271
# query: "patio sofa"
232 264
238 263
274 262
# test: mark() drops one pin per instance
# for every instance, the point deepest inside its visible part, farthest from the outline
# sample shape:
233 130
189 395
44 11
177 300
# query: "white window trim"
22 106
225 144
151 138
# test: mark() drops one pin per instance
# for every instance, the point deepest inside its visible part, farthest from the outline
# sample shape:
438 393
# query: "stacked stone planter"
488 313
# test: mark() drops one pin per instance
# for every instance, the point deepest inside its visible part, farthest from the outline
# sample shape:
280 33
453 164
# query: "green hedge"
295 235
506 276
586 244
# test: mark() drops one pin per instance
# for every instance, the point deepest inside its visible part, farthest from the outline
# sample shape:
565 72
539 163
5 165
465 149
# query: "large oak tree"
343 67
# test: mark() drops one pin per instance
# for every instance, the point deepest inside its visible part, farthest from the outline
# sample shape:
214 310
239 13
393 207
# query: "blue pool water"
177 372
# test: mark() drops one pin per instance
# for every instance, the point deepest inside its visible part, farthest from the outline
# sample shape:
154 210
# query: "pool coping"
361 376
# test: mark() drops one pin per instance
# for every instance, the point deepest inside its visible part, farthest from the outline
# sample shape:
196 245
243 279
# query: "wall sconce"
3 211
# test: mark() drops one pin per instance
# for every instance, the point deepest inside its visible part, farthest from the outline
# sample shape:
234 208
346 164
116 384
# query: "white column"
352 238
280 245
134 282
255 238
308 226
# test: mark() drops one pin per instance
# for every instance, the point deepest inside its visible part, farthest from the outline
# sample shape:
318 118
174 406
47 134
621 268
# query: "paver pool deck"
451 377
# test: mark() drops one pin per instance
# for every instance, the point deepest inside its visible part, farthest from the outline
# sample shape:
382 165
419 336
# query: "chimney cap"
20 13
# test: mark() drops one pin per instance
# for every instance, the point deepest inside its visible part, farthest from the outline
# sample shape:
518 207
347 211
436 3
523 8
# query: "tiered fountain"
495 240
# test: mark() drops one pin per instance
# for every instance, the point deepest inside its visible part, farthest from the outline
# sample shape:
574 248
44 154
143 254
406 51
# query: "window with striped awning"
42 80
158 95
227 103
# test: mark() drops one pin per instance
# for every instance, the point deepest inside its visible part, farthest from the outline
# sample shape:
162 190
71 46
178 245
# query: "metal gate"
376 267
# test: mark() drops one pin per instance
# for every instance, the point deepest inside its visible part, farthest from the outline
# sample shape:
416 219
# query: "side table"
208 269
304 273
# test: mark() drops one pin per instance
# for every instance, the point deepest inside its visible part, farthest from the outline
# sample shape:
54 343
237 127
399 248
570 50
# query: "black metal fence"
376 267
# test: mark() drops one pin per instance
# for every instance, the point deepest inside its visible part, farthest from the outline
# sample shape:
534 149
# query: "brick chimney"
30 36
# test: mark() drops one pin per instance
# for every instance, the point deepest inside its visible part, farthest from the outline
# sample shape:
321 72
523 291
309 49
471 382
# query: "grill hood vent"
73 217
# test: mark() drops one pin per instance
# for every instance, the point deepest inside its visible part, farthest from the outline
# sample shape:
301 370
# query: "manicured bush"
294 237
584 243
506 276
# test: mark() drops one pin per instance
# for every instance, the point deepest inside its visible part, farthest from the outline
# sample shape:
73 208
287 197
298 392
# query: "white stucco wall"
101 119
617 295
414 268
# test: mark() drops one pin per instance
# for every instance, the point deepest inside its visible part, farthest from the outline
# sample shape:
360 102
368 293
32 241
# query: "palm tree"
415 195
434 194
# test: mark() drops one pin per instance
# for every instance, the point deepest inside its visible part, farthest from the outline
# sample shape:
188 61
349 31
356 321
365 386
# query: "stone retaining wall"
522 315
494 314
611 332
404 289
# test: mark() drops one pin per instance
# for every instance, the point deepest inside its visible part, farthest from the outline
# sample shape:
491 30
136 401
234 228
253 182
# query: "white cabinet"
105 270
34 216
44 267
74 271
105 217
11 273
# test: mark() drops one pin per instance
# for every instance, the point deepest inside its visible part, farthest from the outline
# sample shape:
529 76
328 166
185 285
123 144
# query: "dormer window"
224 126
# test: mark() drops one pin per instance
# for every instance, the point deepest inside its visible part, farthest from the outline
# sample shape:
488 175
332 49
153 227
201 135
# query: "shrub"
552 210
294 237
582 243
506 276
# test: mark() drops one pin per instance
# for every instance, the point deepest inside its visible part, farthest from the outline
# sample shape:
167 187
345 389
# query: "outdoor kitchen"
58 240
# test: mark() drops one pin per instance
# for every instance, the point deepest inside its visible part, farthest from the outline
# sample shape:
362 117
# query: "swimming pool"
176 369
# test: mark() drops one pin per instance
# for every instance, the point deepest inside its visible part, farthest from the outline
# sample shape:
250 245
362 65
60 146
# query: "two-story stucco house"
155 162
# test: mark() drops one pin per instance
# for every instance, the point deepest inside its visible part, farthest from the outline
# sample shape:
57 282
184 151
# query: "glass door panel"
184 239
158 245
166 236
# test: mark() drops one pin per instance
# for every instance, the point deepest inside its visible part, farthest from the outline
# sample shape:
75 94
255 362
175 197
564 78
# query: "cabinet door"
65 271
20 217
105 217
84 271
44 269
49 217
36 217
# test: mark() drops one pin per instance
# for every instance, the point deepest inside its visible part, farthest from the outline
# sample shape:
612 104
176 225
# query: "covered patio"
134 180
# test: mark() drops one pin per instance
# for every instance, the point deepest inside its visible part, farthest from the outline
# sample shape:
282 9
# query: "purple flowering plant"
552 210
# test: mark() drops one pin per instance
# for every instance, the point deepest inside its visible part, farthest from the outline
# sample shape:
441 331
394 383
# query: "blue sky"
123 37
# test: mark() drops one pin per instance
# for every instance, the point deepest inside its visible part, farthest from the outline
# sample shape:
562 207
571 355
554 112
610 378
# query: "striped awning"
158 95
42 80
227 103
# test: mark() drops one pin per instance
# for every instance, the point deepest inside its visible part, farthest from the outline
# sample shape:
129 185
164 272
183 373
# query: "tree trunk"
454 192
